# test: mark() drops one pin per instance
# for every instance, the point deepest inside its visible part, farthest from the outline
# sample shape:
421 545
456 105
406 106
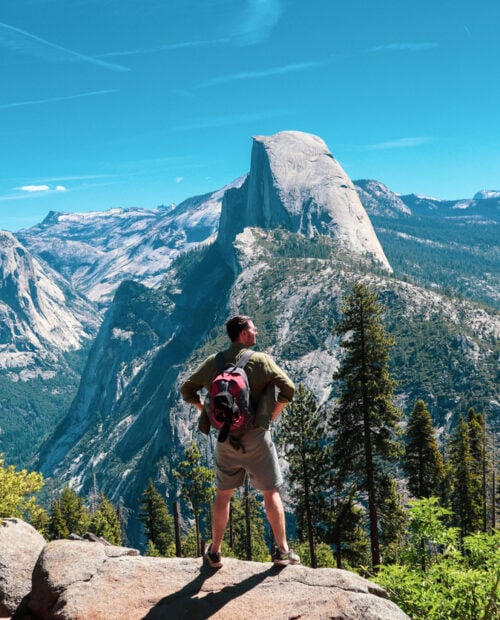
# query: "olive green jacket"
267 382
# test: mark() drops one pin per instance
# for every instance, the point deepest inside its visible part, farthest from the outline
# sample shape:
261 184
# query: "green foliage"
157 520
151 550
58 528
365 421
31 409
68 515
346 531
422 461
324 554
17 489
197 486
106 523
466 491
302 437
449 584
457 258
238 530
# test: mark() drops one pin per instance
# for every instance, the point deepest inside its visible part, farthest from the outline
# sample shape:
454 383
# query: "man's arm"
277 409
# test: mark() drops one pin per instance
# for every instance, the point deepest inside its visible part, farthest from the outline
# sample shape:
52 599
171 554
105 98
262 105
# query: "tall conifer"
197 482
302 436
157 520
423 462
466 496
365 420
105 522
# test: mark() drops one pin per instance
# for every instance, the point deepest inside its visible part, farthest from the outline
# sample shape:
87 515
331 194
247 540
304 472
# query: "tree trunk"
247 521
177 530
370 476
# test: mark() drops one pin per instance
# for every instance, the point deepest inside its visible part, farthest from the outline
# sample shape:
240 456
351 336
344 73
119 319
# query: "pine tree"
259 549
105 522
365 421
346 532
74 515
57 525
423 462
479 453
197 486
157 520
466 499
392 516
302 437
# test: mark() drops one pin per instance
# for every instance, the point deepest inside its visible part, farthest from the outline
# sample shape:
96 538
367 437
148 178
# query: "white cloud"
404 47
179 179
400 143
21 41
245 75
17 104
34 188
258 20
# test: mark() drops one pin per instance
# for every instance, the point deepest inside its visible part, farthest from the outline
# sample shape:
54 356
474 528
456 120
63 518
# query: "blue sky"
126 103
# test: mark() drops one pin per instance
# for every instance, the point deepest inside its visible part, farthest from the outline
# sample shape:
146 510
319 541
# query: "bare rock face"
20 546
89 581
295 182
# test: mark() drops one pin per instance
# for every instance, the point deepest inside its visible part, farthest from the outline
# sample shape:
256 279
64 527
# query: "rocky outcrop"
295 182
20 546
76 580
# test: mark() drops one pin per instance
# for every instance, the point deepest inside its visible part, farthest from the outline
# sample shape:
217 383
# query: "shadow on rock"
187 604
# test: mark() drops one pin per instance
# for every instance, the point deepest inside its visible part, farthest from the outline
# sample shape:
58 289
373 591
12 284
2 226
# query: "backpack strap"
219 360
245 356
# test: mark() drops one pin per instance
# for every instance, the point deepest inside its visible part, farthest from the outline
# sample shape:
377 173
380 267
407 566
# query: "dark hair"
236 325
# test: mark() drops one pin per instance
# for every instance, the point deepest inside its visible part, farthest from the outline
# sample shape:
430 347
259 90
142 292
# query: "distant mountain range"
142 296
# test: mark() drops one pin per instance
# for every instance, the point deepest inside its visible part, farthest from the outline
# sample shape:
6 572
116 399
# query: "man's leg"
276 516
220 516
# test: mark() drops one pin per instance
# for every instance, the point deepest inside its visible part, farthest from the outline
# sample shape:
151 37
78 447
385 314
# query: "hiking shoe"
213 558
283 558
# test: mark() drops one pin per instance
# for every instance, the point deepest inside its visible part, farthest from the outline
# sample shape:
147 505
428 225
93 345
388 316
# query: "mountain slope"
96 251
45 329
450 246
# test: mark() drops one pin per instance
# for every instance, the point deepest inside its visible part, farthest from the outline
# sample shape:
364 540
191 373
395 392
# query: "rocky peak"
36 309
378 199
295 182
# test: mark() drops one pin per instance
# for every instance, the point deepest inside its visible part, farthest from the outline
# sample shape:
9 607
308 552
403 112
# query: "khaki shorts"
257 457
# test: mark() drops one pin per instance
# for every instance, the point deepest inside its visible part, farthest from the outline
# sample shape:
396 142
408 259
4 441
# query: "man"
254 453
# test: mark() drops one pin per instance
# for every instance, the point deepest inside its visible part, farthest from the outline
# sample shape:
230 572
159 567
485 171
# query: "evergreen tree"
423 462
365 421
57 525
197 486
466 497
479 453
74 515
157 520
346 532
106 523
151 550
392 516
239 531
302 437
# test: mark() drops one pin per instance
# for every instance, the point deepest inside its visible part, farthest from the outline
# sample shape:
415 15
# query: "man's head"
241 329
